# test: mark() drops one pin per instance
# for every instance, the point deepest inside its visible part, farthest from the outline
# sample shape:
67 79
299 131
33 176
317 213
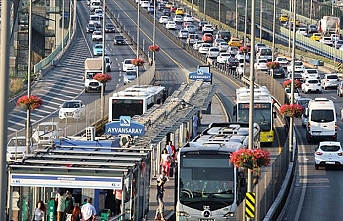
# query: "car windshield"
131 73
303 103
330 148
71 104
313 81
127 61
17 142
312 71
322 115
118 37
298 63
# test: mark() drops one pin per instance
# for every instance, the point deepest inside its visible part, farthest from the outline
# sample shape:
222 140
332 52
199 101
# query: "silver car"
183 34
129 76
328 153
330 80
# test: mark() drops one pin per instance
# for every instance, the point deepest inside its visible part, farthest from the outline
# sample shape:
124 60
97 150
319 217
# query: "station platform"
217 115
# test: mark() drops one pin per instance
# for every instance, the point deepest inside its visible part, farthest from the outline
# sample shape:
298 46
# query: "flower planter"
102 78
273 65
291 110
29 102
251 159
137 62
288 83
154 48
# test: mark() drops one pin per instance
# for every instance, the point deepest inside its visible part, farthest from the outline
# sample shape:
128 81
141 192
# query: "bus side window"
234 110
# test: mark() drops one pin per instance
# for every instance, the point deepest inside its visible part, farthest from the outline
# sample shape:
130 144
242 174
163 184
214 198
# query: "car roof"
336 143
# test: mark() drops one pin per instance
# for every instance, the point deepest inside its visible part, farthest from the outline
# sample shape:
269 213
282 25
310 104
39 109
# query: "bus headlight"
182 213
229 214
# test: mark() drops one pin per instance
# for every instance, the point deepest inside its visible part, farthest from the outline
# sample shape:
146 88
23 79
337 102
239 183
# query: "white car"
310 74
145 4
178 18
335 37
240 56
234 51
217 41
283 61
163 19
328 153
94 19
129 76
98 12
326 40
183 34
261 64
188 17
302 31
203 49
170 25
197 44
16 148
223 46
260 45
296 93
212 52
72 109
222 57
127 65
311 85
330 80
97 36
207 28
298 67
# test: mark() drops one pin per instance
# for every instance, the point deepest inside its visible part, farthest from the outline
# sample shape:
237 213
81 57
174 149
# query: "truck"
93 66
45 133
329 24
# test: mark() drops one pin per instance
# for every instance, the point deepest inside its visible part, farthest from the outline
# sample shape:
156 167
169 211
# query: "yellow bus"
263 110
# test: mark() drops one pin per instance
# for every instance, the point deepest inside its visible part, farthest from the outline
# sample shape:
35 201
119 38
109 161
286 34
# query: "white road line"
333 97
339 128
16 123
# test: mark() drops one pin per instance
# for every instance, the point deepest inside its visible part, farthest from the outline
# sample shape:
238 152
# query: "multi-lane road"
65 82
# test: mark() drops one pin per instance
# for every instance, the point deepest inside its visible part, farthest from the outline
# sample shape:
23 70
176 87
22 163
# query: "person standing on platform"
60 198
165 162
195 124
161 180
88 211
118 196
38 214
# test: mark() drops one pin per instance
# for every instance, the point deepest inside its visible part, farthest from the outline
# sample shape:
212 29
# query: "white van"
322 121
95 19
94 4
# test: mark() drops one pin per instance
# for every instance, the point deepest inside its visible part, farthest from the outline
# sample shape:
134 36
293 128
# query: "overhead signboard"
200 75
46 180
125 126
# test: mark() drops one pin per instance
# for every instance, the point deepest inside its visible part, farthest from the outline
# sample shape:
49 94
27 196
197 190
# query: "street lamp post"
205 9
62 31
154 33
28 111
138 30
103 70
252 84
273 44
261 20
291 122
289 27
219 8
311 6
245 22
236 18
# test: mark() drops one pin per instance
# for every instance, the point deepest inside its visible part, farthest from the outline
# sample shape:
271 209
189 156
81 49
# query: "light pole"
291 122
219 5
154 33
5 66
289 27
28 111
102 103
205 9
245 22
62 24
261 20
273 44
311 9
252 84
138 30
332 7
236 18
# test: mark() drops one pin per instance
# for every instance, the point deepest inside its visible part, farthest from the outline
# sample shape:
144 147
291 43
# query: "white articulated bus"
135 100
208 186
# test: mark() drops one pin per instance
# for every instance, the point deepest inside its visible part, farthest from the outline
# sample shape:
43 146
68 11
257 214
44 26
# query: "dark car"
312 29
161 6
201 24
109 28
225 35
279 72
119 40
90 28
232 63
166 12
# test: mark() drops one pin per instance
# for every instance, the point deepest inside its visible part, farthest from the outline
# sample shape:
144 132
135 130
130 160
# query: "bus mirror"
274 114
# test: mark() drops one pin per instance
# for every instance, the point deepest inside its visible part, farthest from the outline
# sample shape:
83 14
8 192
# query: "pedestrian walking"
118 196
88 211
161 180
76 215
69 206
60 198
165 162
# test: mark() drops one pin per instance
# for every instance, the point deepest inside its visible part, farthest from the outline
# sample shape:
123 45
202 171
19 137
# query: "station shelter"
87 173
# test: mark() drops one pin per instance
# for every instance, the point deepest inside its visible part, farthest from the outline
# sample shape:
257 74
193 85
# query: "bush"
16 86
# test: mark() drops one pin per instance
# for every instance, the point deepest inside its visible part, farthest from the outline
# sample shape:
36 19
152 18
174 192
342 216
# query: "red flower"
137 62
291 110
244 49
273 64
154 48
288 83
102 78
29 102
252 159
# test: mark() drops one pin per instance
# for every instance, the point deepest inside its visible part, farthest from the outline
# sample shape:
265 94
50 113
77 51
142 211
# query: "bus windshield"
262 115
126 107
206 178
